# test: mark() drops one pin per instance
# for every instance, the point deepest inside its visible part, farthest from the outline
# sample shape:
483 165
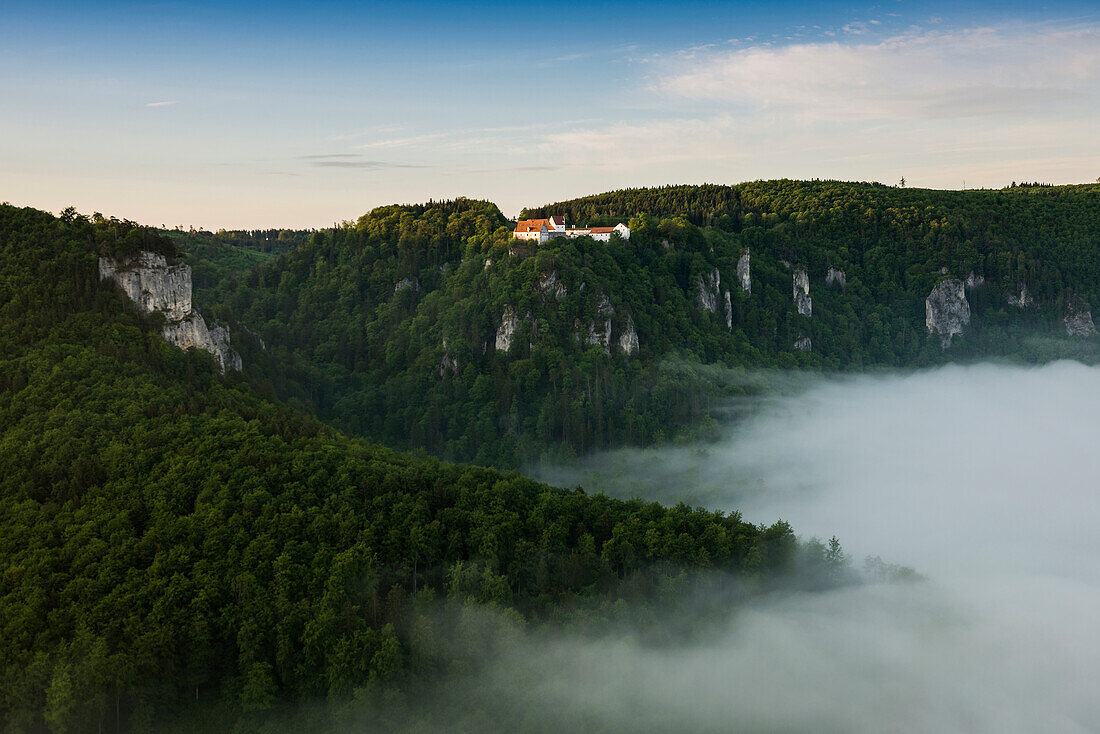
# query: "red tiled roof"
531 225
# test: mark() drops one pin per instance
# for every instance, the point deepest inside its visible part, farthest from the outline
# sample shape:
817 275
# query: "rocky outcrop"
709 288
599 331
192 332
729 310
551 286
1079 319
151 283
744 277
947 311
407 284
449 362
509 322
628 340
835 276
803 344
974 281
801 287
1020 297
157 287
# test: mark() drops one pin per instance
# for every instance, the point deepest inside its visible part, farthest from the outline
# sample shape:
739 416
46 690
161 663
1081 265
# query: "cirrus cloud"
918 75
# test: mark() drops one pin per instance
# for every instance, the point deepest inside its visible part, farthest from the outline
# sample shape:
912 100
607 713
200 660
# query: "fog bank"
982 477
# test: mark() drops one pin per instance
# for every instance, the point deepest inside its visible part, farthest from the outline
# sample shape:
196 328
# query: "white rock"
509 322
835 276
550 285
151 283
946 310
628 340
157 287
1079 320
743 274
801 287
709 288
1020 297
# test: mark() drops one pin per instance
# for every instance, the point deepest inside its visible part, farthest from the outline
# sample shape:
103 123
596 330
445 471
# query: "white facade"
541 230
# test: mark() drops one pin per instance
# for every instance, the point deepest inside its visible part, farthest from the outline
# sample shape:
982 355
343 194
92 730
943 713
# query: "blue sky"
293 115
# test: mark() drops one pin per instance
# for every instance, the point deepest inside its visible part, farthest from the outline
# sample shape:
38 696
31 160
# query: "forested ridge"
174 542
388 327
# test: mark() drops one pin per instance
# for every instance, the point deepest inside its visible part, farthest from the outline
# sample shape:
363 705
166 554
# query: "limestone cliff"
835 276
947 311
743 275
509 322
1020 297
803 344
801 287
151 283
628 340
157 287
1079 319
709 288
550 284
599 331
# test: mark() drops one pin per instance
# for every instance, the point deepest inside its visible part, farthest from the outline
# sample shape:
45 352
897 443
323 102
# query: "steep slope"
173 539
430 327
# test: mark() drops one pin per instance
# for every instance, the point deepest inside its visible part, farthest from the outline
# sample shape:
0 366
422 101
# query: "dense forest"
174 542
390 327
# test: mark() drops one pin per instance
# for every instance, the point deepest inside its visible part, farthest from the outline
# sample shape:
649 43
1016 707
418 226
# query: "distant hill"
428 327
173 542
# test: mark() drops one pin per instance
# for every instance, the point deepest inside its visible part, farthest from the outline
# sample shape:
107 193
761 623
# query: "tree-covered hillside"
429 327
173 540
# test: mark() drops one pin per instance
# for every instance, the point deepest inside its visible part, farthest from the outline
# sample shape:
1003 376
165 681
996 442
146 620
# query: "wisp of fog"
983 477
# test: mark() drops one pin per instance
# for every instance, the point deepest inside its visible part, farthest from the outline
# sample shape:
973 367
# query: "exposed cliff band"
947 311
157 287
801 287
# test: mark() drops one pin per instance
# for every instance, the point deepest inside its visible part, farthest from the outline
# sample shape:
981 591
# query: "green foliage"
387 328
171 539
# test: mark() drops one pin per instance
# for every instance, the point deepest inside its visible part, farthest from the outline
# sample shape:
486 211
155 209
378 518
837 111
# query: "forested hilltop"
175 543
430 327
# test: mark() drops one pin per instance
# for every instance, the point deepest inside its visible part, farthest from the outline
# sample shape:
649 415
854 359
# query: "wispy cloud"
353 160
160 104
918 75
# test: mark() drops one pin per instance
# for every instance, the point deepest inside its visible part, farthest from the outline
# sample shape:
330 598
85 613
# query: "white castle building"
541 230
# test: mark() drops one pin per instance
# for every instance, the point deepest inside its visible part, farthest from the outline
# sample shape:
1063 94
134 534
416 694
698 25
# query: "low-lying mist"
984 478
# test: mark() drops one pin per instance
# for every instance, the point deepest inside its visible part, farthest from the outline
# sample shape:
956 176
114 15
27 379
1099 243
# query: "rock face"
406 284
1079 320
509 322
946 310
709 287
158 287
192 333
973 281
550 284
803 344
628 340
1019 297
152 283
729 310
449 362
744 277
801 288
836 276
599 331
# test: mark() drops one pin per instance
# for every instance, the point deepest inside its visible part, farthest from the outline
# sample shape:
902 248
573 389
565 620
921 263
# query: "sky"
275 114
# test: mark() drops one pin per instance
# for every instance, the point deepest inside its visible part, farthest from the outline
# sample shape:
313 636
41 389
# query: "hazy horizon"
245 115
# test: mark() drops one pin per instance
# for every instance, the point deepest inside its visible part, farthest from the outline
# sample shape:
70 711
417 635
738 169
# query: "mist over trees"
386 327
